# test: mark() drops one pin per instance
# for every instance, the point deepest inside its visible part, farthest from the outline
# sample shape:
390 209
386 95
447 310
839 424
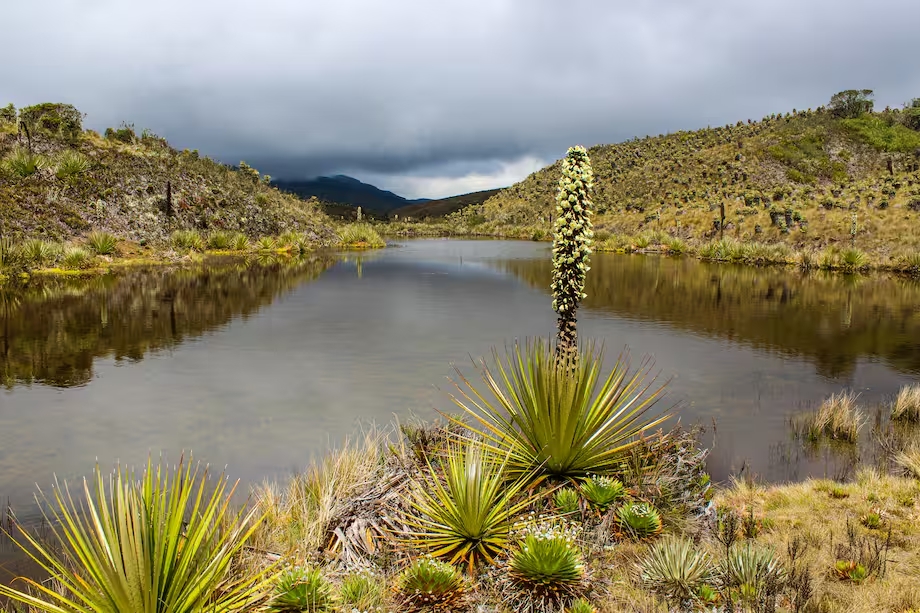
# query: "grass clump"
909 460
162 542
906 406
11 255
360 235
839 417
239 242
101 243
37 252
362 591
24 163
76 258
301 590
266 243
429 584
220 240
71 164
187 240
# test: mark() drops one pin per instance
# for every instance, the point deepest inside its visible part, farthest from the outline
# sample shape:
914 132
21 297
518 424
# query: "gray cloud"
412 89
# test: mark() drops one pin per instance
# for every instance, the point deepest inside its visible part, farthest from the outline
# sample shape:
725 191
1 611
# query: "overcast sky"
434 98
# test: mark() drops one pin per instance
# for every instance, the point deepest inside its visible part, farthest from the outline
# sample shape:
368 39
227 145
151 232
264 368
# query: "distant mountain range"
342 189
340 193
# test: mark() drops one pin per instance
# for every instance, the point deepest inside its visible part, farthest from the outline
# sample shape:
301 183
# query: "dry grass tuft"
839 417
906 406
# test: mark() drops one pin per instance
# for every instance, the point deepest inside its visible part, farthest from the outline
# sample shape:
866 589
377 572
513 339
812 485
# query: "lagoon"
261 366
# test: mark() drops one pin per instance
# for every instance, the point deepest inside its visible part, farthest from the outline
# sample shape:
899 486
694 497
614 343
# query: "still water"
259 367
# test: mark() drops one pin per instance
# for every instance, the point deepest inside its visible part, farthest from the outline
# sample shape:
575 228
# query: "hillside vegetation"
807 179
443 206
59 181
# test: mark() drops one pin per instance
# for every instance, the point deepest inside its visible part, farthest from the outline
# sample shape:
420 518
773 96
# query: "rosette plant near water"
164 542
549 407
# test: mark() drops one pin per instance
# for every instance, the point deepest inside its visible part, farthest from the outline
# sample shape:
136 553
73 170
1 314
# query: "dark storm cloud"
392 89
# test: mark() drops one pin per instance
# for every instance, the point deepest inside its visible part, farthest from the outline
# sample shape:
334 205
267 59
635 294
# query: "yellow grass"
906 406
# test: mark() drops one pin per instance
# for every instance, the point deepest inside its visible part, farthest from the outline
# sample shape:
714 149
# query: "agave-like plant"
23 163
71 163
753 573
549 563
566 500
362 591
187 240
676 570
40 253
102 243
240 242
161 543
220 239
602 492
464 511
558 418
428 584
301 589
639 520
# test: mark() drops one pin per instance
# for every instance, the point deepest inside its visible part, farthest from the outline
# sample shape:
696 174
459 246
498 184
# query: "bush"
53 119
71 163
23 163
430 584
851 103
102 243
874 131
125 133
162 542
187 240
299 589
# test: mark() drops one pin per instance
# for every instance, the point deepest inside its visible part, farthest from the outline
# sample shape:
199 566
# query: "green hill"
802 178
443 206
58 181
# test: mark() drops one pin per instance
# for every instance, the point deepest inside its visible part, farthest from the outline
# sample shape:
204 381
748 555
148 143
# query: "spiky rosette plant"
572 240
639 520
545 570
676 570
602 492
301 589
429 584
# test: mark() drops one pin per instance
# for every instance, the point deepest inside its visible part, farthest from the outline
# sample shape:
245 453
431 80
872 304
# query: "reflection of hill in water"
831 319
52 330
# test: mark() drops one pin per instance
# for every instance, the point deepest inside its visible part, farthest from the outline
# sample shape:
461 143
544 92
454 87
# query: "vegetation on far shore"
72 199
837 187
550 491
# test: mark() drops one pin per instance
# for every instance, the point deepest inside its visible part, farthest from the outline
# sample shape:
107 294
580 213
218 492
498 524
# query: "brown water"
259 367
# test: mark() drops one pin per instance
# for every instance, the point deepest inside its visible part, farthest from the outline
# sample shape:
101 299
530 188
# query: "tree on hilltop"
851 103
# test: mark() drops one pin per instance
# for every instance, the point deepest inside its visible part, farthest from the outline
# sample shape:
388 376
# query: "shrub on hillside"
53 119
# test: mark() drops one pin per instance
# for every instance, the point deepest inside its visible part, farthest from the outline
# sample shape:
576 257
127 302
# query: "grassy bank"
100 251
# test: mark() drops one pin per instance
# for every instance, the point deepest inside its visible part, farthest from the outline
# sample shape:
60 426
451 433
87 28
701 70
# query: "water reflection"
832 320
54 329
